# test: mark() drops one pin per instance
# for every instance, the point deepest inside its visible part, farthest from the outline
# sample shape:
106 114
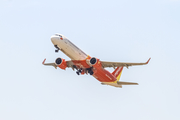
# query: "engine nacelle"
61 63
95 62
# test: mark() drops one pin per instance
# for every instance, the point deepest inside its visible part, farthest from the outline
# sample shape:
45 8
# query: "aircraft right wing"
119 64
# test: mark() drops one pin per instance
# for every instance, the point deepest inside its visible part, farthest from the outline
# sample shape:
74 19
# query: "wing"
119 64
69 64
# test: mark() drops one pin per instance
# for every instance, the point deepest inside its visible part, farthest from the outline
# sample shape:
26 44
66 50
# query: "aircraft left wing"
69 64
119 64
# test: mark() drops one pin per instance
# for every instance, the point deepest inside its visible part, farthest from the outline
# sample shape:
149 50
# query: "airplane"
85 64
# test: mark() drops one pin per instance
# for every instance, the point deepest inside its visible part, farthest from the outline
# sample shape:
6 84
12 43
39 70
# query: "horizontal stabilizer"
118 83
126 83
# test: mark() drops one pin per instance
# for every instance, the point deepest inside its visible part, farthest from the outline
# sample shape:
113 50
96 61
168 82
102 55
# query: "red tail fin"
117 72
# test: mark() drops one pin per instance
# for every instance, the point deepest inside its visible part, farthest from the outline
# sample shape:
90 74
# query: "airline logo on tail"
117 72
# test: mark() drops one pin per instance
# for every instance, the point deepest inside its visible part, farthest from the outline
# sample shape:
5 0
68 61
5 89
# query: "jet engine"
95 62
61 63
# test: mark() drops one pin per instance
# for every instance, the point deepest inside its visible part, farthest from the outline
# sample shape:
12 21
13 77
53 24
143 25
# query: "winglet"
44 61
148 61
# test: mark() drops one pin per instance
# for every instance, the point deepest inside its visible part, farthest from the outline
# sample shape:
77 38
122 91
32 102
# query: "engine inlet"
58 61
93 61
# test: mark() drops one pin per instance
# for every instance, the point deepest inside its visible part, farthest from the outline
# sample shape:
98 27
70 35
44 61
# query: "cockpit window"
58 35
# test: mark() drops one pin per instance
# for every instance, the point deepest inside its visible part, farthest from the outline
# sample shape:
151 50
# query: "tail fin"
117 72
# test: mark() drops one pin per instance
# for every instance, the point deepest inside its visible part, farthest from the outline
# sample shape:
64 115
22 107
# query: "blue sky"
123 31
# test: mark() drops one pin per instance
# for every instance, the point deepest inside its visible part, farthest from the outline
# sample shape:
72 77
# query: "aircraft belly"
71 52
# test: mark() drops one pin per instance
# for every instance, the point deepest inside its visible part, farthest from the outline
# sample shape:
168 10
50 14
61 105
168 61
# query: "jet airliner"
85 64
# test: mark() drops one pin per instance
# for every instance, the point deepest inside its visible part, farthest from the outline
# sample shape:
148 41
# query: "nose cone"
54 39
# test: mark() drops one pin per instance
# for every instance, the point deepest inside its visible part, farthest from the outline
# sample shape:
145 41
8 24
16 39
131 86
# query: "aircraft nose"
54 39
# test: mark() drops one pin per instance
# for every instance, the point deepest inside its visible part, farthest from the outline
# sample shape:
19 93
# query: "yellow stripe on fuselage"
118 77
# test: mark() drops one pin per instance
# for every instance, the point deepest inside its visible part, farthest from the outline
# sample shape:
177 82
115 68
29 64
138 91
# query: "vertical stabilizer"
117 72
